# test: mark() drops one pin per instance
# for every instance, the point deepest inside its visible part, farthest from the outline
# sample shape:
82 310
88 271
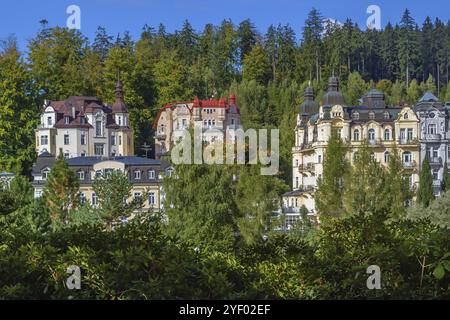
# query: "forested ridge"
219 239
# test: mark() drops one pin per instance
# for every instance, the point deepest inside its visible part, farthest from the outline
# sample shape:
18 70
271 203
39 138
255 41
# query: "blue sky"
21 17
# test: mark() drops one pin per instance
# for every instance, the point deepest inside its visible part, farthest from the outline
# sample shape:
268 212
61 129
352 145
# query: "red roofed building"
216 116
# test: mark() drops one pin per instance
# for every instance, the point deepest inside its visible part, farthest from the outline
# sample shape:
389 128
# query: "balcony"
307 167
435 160
375 142
437 183
409 164
160 135
408 141
430 136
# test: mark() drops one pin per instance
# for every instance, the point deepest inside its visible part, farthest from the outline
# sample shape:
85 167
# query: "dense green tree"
425 192
18 112
114 193
247 38
356 88
445 178
61 191
329 195
256 66
364 185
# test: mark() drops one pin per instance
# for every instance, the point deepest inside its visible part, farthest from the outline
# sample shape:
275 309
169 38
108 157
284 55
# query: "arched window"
387 134
45 173
371 134
356 135
407 157
386 157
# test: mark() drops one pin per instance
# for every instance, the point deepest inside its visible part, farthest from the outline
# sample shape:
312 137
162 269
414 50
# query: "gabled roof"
429 97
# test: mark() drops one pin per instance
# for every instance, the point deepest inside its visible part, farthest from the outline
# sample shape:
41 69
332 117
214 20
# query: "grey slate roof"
428 96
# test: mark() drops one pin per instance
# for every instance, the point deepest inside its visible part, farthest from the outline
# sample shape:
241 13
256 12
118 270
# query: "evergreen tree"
247 38
445 178
425 192
102 43
312 33
364 186
329 201
113 192
256 66
18 112
61 191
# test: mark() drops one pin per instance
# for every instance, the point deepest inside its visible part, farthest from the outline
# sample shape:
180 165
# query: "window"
407 157
82 198
83 154
151 174
435 174
81 175
387 134
356 135
296 162
371 115
137 196
319 158
45 173
137 174
151 198
44 140
339 133
410 134
371 134
98 174
355 115
98 149
66 120
296 182
66 155
386 157
432 129
119 120
183 123
232 121
402 134
386 115
108 172
98 128
83 139
406 116
66 139
113 140
120 140
82 120
94 199
49 121
372 156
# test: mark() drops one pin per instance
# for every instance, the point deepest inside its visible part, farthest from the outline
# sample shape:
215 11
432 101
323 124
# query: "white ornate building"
85 126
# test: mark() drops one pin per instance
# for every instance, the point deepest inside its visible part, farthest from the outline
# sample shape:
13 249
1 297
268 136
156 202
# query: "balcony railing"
307 167
405 141
409 164
160 135
437 183
436 160
430 136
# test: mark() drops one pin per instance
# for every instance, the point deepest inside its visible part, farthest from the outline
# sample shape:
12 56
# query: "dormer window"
119 120
386 115
355 115
45 173
82 120
66 120
49 121
137 175
371 115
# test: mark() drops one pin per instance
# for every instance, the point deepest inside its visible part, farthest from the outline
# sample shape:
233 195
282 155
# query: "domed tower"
374 99
309 106
124 140
333 96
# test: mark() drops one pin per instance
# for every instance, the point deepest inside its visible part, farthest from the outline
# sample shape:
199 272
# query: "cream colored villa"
144 174
384 128
85 126
217 118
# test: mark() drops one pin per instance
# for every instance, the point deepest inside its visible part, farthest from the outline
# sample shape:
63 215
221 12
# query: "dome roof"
309 106
333 96
374 99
